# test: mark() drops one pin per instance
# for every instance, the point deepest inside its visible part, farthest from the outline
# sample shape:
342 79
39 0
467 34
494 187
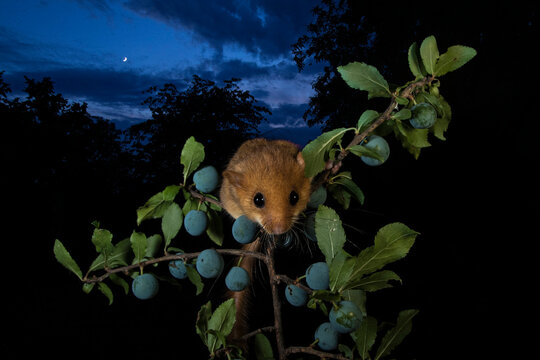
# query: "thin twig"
287 280
258 331
333 165
186 256
312 351
276 302
202 197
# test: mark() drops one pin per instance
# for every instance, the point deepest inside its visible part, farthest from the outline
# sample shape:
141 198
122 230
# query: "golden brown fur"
274 169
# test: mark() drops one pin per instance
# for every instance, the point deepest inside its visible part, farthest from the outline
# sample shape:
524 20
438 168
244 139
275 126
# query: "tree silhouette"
219 117
344 31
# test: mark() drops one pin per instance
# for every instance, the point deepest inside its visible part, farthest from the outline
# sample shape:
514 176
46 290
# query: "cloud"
262 27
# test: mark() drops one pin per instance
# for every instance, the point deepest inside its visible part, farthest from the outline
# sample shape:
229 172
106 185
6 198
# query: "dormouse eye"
293 197
258 200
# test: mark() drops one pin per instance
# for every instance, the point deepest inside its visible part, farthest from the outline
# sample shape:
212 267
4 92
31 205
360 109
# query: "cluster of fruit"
343 318
206 180
209 263
423 116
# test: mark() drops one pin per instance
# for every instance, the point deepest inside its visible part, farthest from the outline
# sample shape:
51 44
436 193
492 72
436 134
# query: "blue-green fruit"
206 179
346 318
177 268
244 230
309 227
145 286
318 197
295 296
379 145
196 222
318 276
423 116
237 279
327 335
209 263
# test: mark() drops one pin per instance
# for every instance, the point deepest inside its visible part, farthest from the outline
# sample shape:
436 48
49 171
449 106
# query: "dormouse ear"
235 178
300 159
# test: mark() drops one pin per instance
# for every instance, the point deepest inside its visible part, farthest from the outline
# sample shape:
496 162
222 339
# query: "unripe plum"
206 179
295 296
327 335
423 116
196 222
318 197
346 318
237 279
317 276
379 145
209 263
145 286
244 230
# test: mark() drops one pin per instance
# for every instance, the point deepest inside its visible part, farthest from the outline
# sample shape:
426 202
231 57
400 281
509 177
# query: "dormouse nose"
277 227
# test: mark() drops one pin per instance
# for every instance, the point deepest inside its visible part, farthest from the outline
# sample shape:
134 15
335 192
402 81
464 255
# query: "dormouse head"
270 185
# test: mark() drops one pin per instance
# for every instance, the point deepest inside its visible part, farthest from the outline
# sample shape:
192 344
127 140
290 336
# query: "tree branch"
334 165
186 256
276 302
202 197
312 351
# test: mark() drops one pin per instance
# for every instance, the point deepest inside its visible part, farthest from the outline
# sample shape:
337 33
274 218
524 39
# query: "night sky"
106 53
473 198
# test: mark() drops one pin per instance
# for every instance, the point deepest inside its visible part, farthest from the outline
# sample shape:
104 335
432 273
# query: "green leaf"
402 114
342 196
455 57
441 125
415 63
201 325
314 153
365 336
106 290
361 150
263 348
376 281
215 227
222 321
156 206
392 243
64 258
191 157
119 256
102 239
402 101
366 119
395 336
171 222
153 246
195 279
429 53
329 232
88 287
340 271
365 77
347 352
344 179
120 282
412 139
138 245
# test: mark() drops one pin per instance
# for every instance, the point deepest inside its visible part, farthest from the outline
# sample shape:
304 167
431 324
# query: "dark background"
472 198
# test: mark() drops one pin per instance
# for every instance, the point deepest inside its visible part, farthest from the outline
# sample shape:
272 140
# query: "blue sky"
81 45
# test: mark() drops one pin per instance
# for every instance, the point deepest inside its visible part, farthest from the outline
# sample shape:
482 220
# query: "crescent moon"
125 59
